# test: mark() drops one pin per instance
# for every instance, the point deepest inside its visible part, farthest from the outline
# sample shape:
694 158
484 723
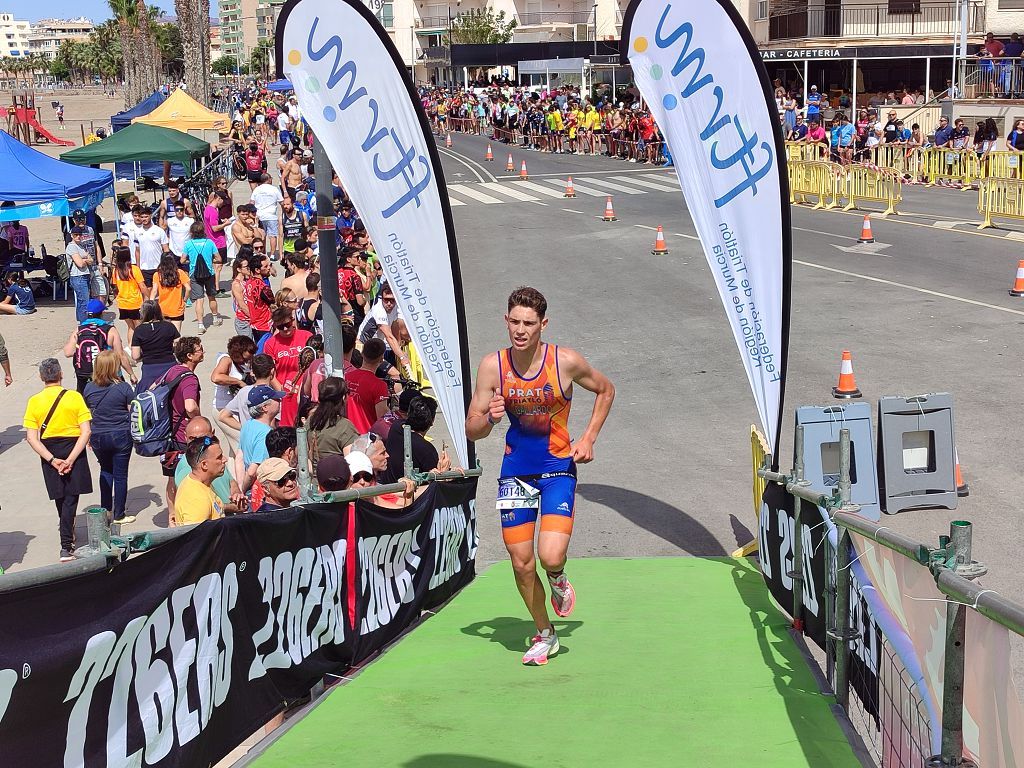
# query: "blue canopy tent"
144 107
280 85
40 185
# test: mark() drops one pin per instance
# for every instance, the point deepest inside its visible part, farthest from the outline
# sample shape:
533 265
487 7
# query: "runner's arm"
227 417
69 347
583 373
487 401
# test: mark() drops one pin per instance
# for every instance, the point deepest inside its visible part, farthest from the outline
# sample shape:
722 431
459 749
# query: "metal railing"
554 17
950 563
990 78
918 19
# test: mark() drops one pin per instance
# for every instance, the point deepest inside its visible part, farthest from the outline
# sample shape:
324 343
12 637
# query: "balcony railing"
554 17
898 18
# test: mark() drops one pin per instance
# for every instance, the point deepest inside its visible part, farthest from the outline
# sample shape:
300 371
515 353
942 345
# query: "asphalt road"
925 309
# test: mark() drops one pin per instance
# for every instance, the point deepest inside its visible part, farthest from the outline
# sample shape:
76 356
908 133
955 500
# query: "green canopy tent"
141 142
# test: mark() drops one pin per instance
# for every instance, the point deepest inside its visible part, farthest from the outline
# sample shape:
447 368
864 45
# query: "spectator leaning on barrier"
57 424
280 484
425 457
944 133
196 501
232 500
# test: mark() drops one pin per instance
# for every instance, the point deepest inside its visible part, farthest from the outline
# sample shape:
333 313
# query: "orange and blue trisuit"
538 473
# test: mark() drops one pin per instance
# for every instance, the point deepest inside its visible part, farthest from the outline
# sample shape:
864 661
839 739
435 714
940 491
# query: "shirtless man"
532 381
291 175
244 230
296 281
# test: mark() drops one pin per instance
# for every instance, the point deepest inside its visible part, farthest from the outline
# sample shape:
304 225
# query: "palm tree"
194 22
142 62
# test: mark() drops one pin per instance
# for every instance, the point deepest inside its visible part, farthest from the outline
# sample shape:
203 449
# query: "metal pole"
805 88
595 29
853 91
953 675
927 78
326 238
798 455
844 466
302 452
797 574
407 466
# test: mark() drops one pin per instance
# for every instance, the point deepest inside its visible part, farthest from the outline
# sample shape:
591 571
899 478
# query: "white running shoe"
544 645
563 596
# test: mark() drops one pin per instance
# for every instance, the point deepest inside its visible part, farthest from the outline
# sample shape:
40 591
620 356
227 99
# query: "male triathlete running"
532 382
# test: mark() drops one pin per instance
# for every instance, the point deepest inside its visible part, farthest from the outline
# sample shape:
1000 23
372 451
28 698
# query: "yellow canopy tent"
183 113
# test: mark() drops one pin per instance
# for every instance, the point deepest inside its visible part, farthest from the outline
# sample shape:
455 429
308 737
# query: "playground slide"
40 131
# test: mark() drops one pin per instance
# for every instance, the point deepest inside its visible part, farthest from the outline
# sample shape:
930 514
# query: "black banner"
775 550
173 657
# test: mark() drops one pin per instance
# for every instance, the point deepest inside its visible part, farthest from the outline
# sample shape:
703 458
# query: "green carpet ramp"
665 662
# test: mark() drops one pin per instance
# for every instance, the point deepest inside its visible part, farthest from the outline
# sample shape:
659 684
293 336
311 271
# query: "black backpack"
92 339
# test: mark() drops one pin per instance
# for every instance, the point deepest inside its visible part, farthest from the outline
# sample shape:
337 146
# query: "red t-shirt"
254 160
365 390
286 356
258 300
349 284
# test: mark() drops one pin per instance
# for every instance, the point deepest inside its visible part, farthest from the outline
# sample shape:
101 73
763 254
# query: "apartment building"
13 36
243 23
46 36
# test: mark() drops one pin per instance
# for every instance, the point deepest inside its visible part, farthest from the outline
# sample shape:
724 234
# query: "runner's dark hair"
168 271
531 298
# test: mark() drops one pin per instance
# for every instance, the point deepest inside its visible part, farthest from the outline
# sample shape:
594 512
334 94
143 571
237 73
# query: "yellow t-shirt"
66 420
593 120
196 502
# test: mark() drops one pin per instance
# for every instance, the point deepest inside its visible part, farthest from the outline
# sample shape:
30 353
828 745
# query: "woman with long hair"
330 431
109 398
170 288
153 344
202 255
239 274
128 285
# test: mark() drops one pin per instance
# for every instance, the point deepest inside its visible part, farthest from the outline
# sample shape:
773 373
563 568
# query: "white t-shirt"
177 232
151 244
375 318
283 121
266 198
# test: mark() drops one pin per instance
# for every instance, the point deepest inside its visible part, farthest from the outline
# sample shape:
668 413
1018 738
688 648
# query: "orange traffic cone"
962 488
609 213
865 231
1018 283
570 191
510 166
489 157
448 141
523 175
660 249
847 387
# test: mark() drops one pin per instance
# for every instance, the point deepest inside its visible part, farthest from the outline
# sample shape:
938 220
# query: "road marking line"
579 189
539 188
689 237
644 226
473 165
470 191
647 183
826 234
616 187
508 189
910 287
900 220
454 202
651 171
570 210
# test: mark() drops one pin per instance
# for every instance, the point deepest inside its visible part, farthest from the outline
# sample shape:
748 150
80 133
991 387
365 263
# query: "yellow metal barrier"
1000 197
953 165
758 450
1001 165
799 150
906 161
880 185
823 180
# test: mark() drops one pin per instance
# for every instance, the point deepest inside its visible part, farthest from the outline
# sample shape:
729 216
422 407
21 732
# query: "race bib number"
514 493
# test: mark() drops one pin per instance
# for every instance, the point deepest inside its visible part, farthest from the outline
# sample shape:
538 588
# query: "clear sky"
97 10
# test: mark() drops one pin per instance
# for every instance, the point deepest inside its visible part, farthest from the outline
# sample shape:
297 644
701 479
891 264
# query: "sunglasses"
284 326
289 478
207 441
362 477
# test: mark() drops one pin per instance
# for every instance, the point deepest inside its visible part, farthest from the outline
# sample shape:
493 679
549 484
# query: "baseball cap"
307 153
332 472
78 213
95 307
358 462
261 393
272 469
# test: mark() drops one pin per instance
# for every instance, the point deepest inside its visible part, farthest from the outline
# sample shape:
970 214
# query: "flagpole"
328 253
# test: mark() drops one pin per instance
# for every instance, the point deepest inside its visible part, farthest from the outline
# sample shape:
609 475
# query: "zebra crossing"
542 190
